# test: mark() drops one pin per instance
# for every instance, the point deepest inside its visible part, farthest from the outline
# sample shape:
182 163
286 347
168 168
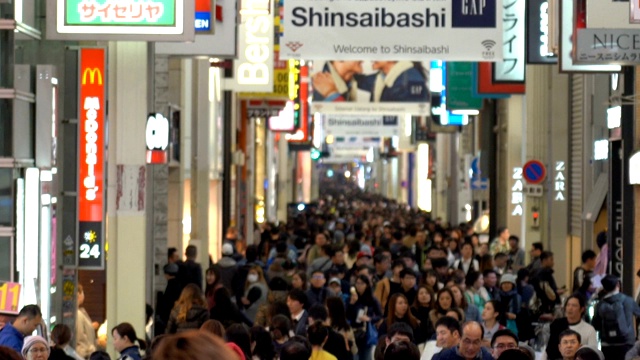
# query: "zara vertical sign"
91 133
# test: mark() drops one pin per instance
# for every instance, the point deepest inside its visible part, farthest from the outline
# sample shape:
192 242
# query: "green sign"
120 12
460 87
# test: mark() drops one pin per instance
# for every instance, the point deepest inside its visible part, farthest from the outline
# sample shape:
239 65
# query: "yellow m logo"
92 73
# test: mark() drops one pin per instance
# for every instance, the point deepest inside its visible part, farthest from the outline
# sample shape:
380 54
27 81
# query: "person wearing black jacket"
336 344
170 296
192 269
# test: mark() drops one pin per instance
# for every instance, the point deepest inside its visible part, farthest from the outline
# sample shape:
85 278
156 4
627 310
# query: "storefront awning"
596 198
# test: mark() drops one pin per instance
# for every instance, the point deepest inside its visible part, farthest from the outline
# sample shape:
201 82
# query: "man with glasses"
503 340
12 335
470 347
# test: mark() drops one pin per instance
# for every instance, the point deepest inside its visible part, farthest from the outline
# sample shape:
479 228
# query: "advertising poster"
362 125
370 87
469 30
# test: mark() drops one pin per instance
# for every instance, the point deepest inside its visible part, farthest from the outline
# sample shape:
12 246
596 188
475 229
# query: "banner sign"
254 68
608 46
145 20
370 87
459 94
362 125
512 67
9 298
538 34
416 30
573 17
91 156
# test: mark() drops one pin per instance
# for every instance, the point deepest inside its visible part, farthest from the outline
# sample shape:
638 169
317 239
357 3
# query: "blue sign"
203 21
474 14
475 166
479 183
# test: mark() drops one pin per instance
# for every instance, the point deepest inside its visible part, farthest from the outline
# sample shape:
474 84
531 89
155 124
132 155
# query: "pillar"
126 225
203 197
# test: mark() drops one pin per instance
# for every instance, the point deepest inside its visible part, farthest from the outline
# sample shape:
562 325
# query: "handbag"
372 334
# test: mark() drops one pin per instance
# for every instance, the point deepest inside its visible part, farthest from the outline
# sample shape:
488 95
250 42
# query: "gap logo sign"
473 13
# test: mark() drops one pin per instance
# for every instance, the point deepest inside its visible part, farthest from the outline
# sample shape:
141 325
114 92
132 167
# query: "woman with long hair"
476 292
420 309
261 344
221 307
471 312
255 293
85 328
124 339
299 281
339 323
363 308
189 312
212 278
444 303
491 315
399 312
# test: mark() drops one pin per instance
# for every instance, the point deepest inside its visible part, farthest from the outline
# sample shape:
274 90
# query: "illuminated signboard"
517 192
91 157
146 20
157 139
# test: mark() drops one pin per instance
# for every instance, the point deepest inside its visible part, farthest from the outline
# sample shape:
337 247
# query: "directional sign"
534 172
479 183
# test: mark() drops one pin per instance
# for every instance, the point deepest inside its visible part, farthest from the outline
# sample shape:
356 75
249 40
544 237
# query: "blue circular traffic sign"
534 172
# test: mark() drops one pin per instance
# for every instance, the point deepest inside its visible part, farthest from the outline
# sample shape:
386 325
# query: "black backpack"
614 325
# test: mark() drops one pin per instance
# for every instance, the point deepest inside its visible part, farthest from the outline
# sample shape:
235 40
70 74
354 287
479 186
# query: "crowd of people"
359 277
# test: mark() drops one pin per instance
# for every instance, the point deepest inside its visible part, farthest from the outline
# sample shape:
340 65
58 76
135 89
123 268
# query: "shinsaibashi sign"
463 30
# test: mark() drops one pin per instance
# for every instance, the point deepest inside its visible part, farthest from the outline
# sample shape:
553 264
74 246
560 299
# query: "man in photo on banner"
396 81
336 81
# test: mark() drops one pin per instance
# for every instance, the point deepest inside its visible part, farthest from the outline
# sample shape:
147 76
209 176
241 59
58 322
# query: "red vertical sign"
92 78
91 155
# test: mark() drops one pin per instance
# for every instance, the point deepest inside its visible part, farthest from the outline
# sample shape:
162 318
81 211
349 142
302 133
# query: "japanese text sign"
512 67
167 20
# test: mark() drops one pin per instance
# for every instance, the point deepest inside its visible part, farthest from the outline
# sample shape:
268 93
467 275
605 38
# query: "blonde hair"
191 295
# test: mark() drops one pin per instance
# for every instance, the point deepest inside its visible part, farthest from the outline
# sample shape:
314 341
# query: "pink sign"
9 297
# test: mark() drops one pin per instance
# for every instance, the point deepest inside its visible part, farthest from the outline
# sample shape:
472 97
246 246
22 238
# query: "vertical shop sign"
615 204
91 133
254 68
517 192
559 181
512 67
538 37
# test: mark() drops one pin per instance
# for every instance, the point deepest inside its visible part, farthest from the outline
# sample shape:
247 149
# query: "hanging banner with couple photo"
418 30
370 87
